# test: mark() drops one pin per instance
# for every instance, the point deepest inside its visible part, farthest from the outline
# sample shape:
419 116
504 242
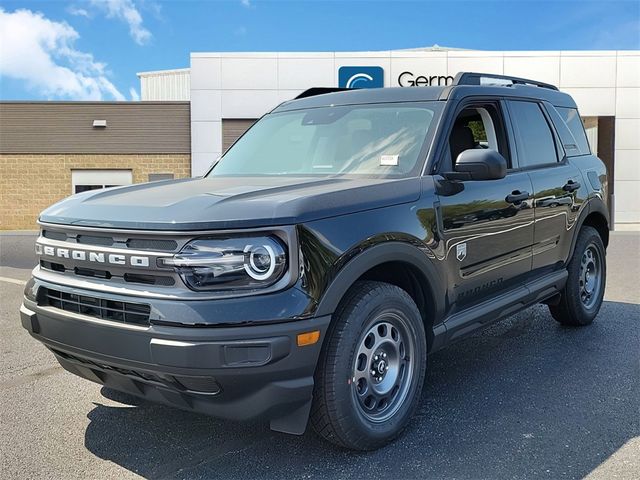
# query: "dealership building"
221 94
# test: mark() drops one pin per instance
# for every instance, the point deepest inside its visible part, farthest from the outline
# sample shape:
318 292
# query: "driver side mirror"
479 164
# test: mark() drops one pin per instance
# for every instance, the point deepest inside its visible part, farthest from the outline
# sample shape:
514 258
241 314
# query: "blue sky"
92 49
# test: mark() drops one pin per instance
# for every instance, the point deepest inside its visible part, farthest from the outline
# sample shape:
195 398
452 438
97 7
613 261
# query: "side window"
534 138
478 126
574 122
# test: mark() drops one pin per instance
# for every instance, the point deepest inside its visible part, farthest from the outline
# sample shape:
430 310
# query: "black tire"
577 307
387 318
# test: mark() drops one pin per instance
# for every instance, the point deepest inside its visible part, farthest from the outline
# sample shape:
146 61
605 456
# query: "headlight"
230 263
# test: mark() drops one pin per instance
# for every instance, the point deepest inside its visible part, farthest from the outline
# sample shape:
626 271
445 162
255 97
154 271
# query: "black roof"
465 85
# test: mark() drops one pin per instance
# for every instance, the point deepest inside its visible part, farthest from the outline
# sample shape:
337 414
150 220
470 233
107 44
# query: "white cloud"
78 12
126 11
135 96
246 3
41 53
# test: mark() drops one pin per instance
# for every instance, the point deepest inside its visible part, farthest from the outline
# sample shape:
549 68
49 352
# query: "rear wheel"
581 298
371 370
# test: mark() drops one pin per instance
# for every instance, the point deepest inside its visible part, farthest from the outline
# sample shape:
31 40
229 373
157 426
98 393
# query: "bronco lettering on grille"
91 256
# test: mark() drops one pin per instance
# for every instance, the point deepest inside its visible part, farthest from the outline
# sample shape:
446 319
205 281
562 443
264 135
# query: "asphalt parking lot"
526 398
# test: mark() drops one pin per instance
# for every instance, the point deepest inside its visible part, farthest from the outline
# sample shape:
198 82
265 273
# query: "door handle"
570 186
517 196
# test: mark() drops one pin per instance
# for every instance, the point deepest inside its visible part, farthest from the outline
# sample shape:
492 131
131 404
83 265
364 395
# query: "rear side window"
574 122
535 142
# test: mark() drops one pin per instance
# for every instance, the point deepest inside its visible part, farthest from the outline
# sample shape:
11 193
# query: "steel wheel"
582 295
383 366
371 369
590 277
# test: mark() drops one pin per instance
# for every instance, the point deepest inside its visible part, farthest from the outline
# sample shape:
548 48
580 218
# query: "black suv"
337 243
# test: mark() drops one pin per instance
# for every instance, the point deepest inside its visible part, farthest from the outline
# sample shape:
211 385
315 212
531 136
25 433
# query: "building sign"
373 77
360 77
409 79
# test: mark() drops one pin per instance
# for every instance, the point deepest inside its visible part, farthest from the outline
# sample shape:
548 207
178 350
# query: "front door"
486 226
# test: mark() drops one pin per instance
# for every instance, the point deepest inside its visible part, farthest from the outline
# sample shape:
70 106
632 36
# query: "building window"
83 180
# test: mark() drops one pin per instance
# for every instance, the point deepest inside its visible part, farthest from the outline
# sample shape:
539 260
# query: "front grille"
149 279
60 236
152 244
105 309
56 267
95 240
120 258
137 278
156 244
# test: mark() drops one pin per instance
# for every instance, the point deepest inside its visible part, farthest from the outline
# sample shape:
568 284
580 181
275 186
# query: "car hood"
228 202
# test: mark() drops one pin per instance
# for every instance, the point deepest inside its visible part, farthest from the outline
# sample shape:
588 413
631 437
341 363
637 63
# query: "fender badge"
461 251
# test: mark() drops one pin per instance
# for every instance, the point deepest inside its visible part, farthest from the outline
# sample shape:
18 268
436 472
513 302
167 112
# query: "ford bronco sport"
337 243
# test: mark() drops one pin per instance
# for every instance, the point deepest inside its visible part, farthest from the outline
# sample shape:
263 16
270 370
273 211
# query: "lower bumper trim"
238 373
29 319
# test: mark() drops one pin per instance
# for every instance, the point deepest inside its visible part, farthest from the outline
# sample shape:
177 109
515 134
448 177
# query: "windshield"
384 140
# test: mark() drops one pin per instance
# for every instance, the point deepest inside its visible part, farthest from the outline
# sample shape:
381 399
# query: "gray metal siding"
232 129
67 127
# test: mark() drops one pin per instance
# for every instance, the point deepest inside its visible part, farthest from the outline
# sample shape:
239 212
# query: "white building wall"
165 85
247 85
627 138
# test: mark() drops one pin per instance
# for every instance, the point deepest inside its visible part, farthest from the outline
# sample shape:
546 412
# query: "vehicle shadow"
526 397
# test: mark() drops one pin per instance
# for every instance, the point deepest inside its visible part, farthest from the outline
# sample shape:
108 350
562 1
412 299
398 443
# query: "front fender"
393 251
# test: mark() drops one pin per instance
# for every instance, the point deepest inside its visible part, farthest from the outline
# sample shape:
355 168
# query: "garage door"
232 129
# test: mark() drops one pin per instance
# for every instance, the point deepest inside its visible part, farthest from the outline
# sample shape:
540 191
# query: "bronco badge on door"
461 251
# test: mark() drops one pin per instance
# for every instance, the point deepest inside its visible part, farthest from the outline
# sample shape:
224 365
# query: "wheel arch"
397 263
598 221
596 216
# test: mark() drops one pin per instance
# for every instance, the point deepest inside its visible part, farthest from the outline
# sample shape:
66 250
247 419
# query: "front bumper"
237 373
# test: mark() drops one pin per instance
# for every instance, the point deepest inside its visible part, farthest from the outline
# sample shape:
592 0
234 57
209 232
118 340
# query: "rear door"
557 183
486 226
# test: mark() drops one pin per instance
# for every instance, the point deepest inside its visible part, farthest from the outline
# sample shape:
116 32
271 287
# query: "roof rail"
472 78
313 91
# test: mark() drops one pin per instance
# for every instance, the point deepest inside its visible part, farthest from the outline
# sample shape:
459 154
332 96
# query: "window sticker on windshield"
389 160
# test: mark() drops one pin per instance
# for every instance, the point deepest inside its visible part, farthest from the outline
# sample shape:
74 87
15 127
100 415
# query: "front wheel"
582 296
371 371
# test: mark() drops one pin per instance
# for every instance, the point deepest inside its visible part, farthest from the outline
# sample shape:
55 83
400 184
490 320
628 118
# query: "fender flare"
594 205
377 255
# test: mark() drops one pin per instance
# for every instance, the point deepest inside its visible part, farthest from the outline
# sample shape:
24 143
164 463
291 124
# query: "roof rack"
313 91
472 78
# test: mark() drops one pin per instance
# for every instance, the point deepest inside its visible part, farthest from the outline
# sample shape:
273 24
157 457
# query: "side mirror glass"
479 164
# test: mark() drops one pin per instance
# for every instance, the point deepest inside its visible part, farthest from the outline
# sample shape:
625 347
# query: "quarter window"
574 122
535 142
